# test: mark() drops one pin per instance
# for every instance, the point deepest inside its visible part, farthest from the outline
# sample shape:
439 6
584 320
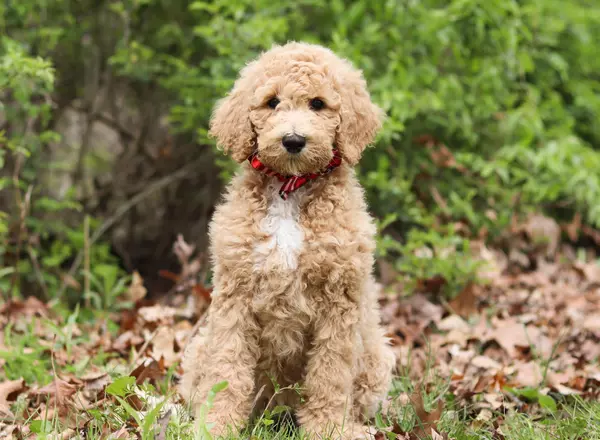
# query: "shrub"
28 217
492 105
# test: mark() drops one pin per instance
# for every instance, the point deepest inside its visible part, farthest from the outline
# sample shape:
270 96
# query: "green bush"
492 105
27 216
24 82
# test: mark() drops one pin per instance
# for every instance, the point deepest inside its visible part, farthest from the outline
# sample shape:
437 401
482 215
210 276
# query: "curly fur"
294 296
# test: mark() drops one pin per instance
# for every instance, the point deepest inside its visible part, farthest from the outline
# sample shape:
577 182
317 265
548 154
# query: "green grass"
574 420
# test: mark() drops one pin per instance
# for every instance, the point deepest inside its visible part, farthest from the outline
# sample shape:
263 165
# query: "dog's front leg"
230 354
328 383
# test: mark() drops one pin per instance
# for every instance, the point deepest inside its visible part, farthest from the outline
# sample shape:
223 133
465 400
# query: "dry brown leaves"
151 339
541 306
536 323
136 291
28 308
8 389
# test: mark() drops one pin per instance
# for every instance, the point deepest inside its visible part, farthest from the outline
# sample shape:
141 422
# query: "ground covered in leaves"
513 356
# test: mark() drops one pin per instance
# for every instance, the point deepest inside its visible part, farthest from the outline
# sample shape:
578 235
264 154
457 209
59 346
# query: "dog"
292 244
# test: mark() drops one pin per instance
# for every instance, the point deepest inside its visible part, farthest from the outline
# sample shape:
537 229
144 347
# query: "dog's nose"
294 143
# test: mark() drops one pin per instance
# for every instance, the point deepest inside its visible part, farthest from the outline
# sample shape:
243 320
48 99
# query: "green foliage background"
492 105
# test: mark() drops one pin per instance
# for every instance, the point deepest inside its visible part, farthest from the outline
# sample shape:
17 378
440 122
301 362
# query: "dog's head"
294 104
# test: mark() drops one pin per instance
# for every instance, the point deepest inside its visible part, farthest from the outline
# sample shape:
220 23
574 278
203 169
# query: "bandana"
292 183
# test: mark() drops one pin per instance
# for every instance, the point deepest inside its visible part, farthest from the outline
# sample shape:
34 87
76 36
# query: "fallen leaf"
184 251
127 340
590 350
436 435
483 383
485 415
183 331
543 232
121 434
529 375
202 292
9 432
127 320
458 337
422 310
426 421
592 323
8 388
555 379
574 227
431 285
566 391
157 314
96 381
136 290
150 369
453 322
163 346
495 262
486 363
30 307
510 334
496 400
518 258
58 391
465 304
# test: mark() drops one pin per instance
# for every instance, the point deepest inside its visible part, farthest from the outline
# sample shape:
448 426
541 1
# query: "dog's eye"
273 102
317 104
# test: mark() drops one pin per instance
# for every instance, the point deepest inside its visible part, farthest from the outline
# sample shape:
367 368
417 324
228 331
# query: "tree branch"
123 209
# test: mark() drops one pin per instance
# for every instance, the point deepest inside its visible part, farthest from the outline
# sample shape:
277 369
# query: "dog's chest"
280 249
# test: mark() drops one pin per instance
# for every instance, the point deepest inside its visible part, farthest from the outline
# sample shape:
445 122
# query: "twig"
163 422
561 336
15 276
38 272
122 210
86 260
56 377
143 348
258 396
275 394
201 321
515 400
24 208
69 433
446 305
22 205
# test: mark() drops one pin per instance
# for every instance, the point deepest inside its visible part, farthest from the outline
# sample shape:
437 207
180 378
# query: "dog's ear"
360 119
230 122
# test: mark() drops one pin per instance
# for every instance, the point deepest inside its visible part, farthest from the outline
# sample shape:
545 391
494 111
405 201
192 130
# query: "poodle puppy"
292 245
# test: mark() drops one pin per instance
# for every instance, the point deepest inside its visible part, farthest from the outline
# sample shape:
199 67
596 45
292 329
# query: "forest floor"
514 357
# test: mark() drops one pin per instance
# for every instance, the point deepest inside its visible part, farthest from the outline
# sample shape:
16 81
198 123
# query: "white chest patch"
286 237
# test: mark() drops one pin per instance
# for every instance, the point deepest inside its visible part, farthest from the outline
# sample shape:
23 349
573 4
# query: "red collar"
292 183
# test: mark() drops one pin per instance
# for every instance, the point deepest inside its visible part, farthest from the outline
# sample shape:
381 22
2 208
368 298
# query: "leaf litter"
532 323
